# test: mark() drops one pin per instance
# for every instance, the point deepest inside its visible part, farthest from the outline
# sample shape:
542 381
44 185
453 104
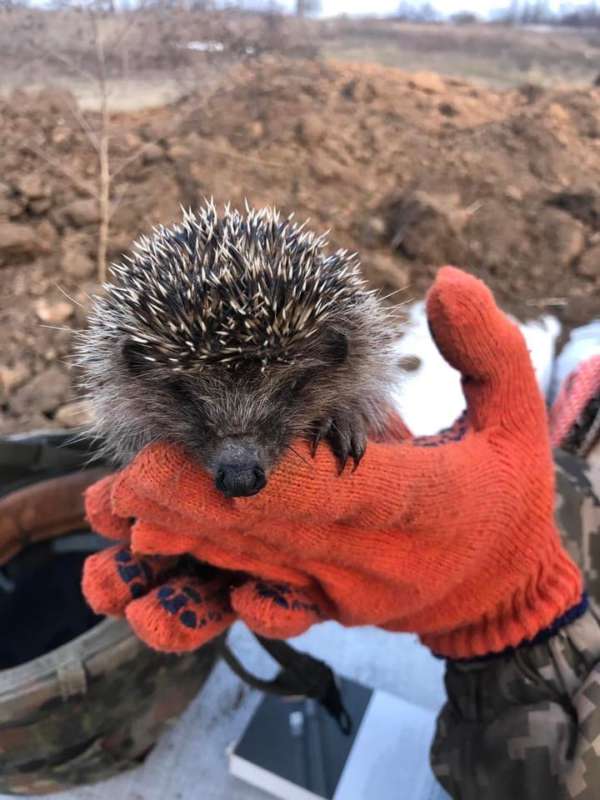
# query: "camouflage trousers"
526 726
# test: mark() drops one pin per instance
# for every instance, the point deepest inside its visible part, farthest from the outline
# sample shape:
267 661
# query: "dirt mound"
411 170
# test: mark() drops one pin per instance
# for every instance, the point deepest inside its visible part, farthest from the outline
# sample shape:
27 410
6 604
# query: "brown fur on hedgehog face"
247 418
233 336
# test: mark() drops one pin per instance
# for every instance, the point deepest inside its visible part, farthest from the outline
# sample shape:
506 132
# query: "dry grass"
147 61
494 55
149 66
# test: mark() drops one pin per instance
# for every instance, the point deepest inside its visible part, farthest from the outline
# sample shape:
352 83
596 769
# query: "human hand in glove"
451 537
174 603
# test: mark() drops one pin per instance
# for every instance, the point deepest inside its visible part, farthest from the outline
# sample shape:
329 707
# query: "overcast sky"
332 7
482 7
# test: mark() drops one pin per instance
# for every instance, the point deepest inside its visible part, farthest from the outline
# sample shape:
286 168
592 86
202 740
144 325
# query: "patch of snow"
205 47
430 398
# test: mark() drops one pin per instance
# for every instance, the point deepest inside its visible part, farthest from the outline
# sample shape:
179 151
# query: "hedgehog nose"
240 480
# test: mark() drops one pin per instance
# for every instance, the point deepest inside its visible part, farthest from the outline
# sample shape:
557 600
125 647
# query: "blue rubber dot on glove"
130 572
175 604
123 556
188 618
137 590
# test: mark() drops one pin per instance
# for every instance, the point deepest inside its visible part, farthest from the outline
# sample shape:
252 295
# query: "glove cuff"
535 605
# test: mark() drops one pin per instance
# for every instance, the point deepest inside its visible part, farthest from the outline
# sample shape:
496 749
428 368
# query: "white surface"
190 761
541 336
277 786
431 398
390 757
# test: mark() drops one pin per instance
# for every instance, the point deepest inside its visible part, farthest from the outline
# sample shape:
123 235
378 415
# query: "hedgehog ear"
134 358
336 344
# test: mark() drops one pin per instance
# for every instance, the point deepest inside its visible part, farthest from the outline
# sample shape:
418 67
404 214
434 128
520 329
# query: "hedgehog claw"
358 450
342 461
314 443
340 442
321 430
347 439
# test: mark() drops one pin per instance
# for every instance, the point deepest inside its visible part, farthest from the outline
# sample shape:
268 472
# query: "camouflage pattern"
91 708
578 514
526 725
96 705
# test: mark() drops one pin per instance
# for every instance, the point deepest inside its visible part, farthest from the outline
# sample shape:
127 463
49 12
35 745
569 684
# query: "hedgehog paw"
345 434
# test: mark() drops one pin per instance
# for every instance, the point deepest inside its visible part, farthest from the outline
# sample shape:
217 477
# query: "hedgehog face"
237 423
234 335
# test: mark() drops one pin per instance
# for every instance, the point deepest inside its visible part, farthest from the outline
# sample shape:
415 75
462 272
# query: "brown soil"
411 170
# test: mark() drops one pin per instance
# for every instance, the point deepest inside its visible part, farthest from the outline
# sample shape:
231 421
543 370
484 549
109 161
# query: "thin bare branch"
130 159
82 185
68 296
68 62
119 196
103 154
84 125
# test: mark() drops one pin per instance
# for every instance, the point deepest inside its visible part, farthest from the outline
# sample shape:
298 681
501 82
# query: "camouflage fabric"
526 725
91 708
578 514
97 704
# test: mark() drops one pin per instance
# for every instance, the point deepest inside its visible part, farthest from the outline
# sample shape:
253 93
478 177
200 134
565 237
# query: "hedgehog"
232 335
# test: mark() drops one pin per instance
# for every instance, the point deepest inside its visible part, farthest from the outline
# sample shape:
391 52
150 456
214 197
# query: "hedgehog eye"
180 389
292 387
300 382
336 347
134 358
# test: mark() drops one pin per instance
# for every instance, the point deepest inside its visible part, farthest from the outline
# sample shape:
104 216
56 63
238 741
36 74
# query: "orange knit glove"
176 603
451 537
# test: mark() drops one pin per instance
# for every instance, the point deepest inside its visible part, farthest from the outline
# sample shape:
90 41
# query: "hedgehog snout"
238 470
240 481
